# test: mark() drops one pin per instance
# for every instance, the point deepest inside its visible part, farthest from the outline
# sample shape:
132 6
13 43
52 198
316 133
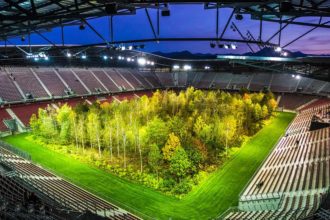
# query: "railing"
15 150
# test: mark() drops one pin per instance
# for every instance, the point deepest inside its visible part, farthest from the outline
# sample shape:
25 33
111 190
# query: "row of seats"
63 192
297 171
19 83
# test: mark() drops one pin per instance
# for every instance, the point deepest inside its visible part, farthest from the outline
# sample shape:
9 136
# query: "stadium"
130 110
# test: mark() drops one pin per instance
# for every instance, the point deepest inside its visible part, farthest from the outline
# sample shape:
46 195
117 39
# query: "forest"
169 141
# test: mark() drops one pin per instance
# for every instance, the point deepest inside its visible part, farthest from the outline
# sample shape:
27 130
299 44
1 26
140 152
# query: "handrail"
15 150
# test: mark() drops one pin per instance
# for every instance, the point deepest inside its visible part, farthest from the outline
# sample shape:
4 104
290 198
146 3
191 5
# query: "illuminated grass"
212 197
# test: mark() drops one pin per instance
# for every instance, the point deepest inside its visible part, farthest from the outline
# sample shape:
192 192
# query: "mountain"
266 52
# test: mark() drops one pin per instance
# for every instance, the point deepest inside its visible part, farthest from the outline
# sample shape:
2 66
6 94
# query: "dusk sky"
191 21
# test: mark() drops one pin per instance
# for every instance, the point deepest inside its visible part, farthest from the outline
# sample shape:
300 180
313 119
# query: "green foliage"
151 140
201 203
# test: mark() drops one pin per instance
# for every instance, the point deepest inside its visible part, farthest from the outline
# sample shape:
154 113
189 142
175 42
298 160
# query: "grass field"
212 197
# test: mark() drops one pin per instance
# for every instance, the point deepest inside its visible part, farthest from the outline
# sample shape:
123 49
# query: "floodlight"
105 57
130 47
123 48
129 59
68 54
206 67
233 46
148 62
152 63
36 58
285 54
84 56
46 58
142 61
176 67
293 76
278 49
226 46
298 77
186 67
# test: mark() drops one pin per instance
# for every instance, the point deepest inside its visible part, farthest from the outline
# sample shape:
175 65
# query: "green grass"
212 197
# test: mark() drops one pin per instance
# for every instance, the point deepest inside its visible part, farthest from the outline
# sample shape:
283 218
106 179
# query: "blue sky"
190 21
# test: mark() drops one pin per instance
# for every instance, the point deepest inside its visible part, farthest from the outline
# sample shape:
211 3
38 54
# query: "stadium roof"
19 17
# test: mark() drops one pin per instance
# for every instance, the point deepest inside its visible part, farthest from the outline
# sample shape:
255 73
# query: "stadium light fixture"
285 54
130 47
206 67
142 61
129 59
152 63
293 76
176 67
84 56
105 57
36 59
123 48
233 46
46 58
186 67
226 46
68 54
298 77
278 49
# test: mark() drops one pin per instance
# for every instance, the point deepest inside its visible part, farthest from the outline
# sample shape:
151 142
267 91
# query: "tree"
154 158
171 146
157 132
179 164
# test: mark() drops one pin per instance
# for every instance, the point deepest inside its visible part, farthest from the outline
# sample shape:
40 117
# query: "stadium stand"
62 192
27 82
292 101
8 91
51 81
73 83
120 80
106 80
25 111
294 180
3 116
87 77
130 78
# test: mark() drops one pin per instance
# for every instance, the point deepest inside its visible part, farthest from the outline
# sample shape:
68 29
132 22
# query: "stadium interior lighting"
176 67
206 67
46 58
297 76
293 76
152 63
68 54
285 54
142 61
36 58
105 57
226 46
84 56
129 59
123 48
130 47
233 46
148 62
186 67
278 49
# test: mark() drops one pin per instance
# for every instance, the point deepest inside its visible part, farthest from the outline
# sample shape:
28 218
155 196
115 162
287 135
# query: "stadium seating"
25 111
293 101
3 116
72 81
166 79
89 80
28 82
106 80
294 179
260 81
120 81
130 78
51 81
8 91
61 191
